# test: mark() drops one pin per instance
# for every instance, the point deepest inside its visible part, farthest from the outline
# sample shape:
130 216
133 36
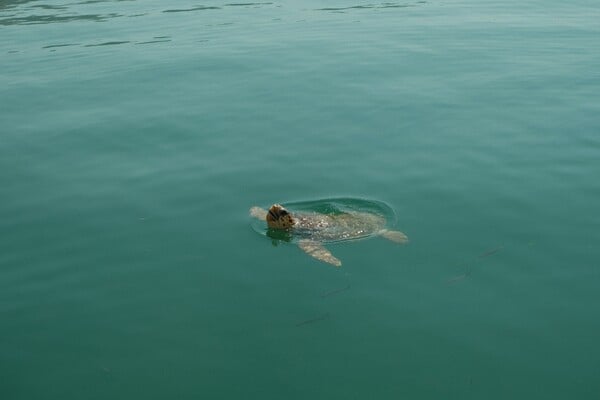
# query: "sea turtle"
310 229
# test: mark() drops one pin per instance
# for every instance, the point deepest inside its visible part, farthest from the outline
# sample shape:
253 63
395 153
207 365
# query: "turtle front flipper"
318 251
394 236
258 212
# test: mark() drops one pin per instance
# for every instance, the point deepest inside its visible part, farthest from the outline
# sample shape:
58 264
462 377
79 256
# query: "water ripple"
199 8
48 19
60 45
22 13
113 43
371 6
247 4
202 7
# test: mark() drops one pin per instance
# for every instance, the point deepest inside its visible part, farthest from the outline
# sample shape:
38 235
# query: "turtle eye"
284 213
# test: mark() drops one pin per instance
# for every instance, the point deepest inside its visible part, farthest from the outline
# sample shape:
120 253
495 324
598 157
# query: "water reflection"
279 235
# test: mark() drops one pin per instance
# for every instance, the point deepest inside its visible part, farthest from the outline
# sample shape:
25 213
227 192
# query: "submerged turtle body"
337 227
310 228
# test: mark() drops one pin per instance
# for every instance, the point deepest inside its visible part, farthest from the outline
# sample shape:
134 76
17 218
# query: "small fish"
458 278
335 291
312 320
467 274
490 252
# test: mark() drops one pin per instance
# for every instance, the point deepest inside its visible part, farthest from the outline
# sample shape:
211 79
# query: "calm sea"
136 135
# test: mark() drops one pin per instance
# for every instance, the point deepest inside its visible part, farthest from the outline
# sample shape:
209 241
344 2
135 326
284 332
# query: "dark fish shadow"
313 320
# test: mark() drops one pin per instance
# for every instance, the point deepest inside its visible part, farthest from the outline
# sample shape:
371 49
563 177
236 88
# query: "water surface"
137 134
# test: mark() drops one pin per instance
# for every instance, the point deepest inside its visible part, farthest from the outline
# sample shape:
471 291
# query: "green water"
135 136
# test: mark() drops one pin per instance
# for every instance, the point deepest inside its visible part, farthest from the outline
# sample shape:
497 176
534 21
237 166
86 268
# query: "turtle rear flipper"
318 251
394 236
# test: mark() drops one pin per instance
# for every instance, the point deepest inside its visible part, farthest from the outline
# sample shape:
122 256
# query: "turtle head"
279 218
